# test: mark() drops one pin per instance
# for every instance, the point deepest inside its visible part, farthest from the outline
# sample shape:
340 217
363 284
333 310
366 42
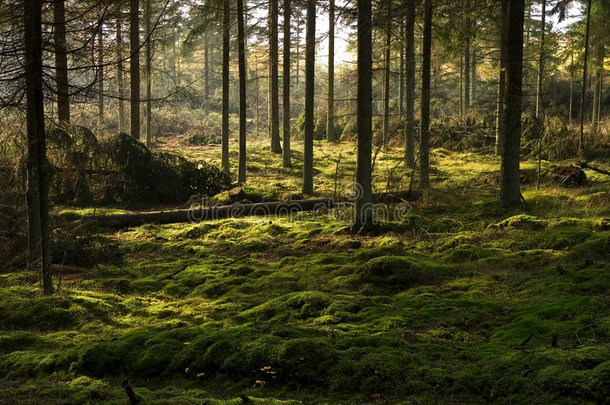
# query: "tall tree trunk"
424 147
206 73
510 193
571 88
241 39
298 55
39 249
363 212
119 67
134 65
100 76
274 114
286 151
410 85
330 121
225 88
401 74
148 74
473 77
386 78
310 56
597 88
61 63
581 139
541 63
467 71
501 103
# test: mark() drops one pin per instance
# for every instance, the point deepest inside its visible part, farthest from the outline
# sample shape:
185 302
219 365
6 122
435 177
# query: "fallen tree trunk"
585 165
265 209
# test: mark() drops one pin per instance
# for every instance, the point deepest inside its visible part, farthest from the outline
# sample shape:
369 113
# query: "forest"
289 202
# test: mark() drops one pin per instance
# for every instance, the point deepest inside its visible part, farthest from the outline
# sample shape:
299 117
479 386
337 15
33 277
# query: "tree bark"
100 76
61 63
310 55
274 114
410 85
424 148
134 65
225 88
386 78
467 72
597 88
401 74
241 38
581 139
541 63
39 250
119 66
148 73
510 193
473 77
206 73
570 112
363 212
286 151
500 106
330 116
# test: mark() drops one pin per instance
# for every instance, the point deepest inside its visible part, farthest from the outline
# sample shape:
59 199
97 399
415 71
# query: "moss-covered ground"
456 302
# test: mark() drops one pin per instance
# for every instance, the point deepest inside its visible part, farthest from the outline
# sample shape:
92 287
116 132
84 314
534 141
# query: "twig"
238 259
129 391
174 273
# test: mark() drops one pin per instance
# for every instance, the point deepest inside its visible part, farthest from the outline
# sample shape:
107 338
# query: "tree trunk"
274 114
61 63
134 66
581 139
510 193
410 85
119 66
424 148
386 78
330 121
148 74
310 55
241 38
401 74
286 151
571 88
39 250
363 212
225 88
206 73
100 76
467 72
597 88
541 63
473 78
501 103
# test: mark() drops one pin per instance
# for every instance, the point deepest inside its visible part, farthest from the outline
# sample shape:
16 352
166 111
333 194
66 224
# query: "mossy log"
280 208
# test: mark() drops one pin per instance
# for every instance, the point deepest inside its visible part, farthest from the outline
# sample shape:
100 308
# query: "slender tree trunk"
148 74
310 56
39 249
473 78
424 148
386 78
571 88
206 73
401 74
363 212
410 85
510 193
541 63
286 151
581 139
501 103
461 84
225 88
61 63
330 121
274 114
241 38
100 77
134 65
298 47
597 88
119 66
467 72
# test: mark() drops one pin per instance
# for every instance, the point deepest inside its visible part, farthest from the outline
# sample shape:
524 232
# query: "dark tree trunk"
501 102
570 111
363 212
401 74
541 63
330 121
39 250
424 147
100 76
581 139
597 87
510 193
467 73
410 85
119 66
241 38
473 77
225 87
61 63
206 73
274 114
386 77
148 73
310 55
134 65
286 151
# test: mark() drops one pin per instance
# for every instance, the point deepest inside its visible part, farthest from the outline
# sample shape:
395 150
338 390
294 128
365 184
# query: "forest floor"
453 300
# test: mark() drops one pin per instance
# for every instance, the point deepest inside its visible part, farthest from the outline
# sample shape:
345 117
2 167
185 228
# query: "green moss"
522 221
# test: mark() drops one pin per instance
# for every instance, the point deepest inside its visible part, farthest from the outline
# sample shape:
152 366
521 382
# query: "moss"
522 221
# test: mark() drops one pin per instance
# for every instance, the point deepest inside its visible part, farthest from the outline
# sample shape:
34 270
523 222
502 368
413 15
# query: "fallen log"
265 209
585 165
